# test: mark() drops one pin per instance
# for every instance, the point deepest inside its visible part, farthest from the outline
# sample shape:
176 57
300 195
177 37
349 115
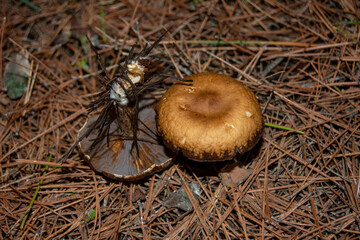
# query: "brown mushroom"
118 158
211 119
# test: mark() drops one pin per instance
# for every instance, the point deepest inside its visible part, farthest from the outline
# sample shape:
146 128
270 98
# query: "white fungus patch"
229 125
135 73
118 94
191 89
183 140
134 78
135 68
183 107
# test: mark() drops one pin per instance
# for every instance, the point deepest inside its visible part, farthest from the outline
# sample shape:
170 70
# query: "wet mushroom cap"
211 119
118 159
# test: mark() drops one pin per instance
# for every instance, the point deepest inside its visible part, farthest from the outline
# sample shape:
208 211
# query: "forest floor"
301 59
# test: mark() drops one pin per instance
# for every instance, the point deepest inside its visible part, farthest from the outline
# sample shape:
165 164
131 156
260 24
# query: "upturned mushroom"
211 119
116 156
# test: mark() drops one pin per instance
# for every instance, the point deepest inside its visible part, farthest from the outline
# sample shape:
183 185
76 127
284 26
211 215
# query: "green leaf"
91 215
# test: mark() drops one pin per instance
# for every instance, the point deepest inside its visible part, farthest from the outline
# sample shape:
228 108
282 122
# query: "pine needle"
35 194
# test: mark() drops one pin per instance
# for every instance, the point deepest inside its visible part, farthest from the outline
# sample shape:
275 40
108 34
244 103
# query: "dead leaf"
235 176
138 195
179 198
16 75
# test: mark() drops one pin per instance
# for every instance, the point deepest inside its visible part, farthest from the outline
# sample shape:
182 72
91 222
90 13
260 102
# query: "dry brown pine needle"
301 59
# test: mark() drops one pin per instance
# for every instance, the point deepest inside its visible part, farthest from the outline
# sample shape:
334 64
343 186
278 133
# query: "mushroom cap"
211 119
118 159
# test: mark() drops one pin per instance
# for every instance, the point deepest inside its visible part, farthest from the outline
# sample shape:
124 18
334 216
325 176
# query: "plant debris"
300 58
179 198
16 75
235 176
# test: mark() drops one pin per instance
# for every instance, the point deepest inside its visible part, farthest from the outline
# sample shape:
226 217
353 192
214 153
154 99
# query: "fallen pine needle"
283 128
35 195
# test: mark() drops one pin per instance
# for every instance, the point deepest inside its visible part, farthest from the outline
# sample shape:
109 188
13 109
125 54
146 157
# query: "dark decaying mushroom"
211 119
116 156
